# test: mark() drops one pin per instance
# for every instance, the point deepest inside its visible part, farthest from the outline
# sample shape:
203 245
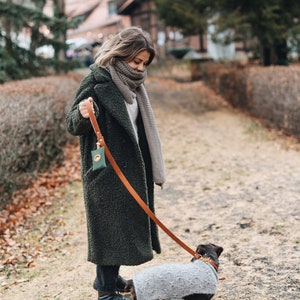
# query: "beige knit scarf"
131 83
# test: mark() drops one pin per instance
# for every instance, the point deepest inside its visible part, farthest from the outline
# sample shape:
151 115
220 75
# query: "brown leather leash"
131 190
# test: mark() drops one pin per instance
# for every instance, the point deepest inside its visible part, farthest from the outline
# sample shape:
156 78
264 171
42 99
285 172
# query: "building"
99 19
142 13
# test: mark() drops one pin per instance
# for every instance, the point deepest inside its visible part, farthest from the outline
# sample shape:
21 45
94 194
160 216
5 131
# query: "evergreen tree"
18 17
189 16
269 23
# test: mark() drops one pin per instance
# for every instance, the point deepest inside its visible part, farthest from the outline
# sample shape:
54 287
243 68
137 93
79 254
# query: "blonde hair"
125 45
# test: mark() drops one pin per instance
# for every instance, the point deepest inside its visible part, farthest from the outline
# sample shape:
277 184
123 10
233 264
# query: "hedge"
32 128
270 93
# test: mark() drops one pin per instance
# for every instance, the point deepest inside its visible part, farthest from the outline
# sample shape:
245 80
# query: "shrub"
32 127
270 93
275 93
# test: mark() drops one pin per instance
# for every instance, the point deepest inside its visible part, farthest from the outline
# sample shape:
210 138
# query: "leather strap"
131 189
94 122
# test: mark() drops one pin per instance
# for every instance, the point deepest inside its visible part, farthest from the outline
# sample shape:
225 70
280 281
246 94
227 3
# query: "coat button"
124 164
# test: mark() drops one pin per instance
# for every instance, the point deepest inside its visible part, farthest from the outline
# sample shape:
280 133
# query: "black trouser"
108 279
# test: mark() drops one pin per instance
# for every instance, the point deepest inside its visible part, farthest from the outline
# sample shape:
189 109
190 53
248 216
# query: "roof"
76 8
95 12
73 8
125 6
98 18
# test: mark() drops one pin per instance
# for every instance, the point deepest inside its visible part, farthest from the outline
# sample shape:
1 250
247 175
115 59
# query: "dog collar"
208 260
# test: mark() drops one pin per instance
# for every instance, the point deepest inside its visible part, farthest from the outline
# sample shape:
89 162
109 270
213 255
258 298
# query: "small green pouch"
98 158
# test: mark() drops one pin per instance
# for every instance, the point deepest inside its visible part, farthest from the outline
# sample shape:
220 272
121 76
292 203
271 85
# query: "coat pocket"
91 175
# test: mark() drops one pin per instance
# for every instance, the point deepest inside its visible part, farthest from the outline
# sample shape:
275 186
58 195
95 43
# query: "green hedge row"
32 128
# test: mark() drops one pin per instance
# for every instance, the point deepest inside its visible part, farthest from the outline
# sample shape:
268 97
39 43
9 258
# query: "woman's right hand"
82 107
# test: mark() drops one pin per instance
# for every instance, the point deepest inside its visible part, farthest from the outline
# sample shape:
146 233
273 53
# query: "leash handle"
129 187
94 122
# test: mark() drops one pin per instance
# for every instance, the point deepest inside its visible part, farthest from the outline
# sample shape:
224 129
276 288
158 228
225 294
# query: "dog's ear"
218 249
201 249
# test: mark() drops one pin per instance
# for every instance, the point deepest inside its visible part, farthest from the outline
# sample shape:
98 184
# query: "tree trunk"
266 53
281 52
60 55
35 36
8 42
7 25
201 42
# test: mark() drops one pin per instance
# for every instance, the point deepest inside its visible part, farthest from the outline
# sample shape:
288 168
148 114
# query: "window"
112 7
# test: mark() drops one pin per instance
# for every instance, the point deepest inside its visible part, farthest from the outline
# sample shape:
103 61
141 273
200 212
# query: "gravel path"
230 182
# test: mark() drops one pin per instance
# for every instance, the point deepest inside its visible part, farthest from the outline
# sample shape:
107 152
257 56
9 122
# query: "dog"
196 280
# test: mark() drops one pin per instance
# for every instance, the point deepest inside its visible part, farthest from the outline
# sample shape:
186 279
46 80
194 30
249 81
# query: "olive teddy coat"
119 231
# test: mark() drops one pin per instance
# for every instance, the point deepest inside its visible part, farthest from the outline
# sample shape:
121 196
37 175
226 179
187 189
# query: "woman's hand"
82 107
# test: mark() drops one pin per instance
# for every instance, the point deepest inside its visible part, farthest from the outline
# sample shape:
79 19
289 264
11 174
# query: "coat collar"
115 102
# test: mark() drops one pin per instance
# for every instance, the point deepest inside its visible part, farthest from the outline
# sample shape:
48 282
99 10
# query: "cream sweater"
174 281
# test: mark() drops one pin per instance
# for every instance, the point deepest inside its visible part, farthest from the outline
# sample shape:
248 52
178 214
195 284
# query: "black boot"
108 283
111 296
122 285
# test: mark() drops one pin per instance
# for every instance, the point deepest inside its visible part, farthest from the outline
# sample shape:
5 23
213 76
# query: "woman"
119 231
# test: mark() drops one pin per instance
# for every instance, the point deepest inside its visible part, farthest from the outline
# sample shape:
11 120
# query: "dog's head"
211 251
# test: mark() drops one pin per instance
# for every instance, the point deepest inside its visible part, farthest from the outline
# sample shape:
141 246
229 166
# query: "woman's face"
140 61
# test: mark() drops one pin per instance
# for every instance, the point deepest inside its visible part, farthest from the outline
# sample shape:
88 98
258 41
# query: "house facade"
99 19
142 14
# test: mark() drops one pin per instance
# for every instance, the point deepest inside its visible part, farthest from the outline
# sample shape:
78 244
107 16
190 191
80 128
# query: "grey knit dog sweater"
174 281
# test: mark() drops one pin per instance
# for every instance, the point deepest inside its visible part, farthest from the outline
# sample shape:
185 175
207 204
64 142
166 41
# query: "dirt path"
230 182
